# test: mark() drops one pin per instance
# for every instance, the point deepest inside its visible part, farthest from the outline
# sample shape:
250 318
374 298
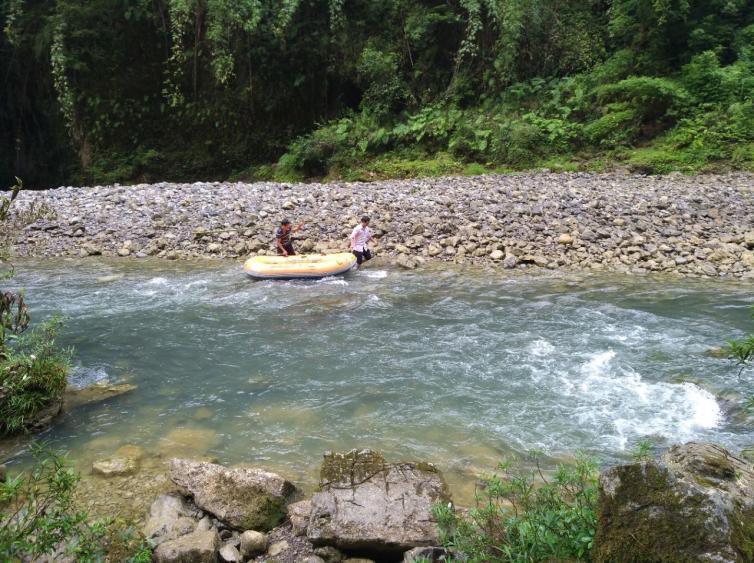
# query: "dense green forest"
130 90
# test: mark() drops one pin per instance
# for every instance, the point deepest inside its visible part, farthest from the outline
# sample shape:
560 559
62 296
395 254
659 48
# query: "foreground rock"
170 517
696 226
695 504
244 498
366 504
196 547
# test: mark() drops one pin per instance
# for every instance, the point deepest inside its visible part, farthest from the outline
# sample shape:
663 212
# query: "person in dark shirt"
284 238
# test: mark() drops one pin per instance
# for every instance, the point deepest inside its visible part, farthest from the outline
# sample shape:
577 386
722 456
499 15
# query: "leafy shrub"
652 98
33 374
704 78
614 128
524 516
378 74
39 519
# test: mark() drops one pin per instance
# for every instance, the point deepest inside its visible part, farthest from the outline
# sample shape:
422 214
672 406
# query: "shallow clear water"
458 368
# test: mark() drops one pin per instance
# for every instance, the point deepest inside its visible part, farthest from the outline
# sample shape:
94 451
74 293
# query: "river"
460 368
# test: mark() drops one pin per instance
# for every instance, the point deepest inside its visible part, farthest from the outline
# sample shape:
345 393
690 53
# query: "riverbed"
460 367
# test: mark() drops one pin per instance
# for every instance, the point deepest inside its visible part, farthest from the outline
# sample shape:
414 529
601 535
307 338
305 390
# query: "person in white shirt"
359 238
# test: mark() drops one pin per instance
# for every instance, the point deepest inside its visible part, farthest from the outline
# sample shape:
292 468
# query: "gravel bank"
701 226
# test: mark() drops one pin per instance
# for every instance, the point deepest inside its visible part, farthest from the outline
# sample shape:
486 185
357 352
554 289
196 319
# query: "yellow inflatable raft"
299 266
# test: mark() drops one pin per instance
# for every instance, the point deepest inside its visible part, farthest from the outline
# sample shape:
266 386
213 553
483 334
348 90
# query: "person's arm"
352 237
280 245
298 228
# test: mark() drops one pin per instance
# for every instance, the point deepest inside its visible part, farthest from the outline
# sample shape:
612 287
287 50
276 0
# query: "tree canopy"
123 90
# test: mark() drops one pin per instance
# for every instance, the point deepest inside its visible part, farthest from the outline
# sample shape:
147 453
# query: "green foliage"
106 90
522 515
652 98
741 351
33 375
39 519
642 451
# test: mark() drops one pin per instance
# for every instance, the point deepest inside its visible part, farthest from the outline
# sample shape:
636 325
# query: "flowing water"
460 368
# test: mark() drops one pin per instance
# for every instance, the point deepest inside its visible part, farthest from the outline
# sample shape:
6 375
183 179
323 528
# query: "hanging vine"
179 12
13 13
59 63
226 18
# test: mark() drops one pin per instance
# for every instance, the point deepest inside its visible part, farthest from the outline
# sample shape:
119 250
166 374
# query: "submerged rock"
115 467
94 393
695 504
368 504
243 498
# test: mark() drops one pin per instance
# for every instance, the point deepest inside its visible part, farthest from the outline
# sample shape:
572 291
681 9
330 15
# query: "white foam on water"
330 280
156 281
82 376
623 407
540 348
375 275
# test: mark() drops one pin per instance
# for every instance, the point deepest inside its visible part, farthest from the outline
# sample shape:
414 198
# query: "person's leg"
359 257
289 249
367 254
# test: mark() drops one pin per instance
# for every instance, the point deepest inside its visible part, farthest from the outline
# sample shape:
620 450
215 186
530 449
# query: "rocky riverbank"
699 226
694 504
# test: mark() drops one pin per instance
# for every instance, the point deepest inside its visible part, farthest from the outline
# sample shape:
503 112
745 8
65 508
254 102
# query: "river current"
460 368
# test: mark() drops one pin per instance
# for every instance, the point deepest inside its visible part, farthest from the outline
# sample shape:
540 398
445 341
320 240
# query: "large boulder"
196 547
244 498
367 504
695 504
170 517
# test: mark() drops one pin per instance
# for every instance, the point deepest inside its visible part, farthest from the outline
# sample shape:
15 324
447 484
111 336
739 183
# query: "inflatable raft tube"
304 266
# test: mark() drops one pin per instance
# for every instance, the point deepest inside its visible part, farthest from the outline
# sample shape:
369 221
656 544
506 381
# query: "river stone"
115 467
253 543
510 261
298 514
230 554
429 555
497 255
244 498
329 554
749 239
277 548
695 504
406 262
367 504
565 238
196 547
170 517
94 393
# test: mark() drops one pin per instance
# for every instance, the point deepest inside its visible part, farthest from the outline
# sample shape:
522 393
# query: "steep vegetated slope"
107 90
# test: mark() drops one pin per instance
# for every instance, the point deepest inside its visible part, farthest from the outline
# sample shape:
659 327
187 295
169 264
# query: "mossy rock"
695 504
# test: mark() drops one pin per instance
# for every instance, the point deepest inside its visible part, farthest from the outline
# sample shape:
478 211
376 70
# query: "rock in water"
196 547
244 498
695 504
115 467
368 504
